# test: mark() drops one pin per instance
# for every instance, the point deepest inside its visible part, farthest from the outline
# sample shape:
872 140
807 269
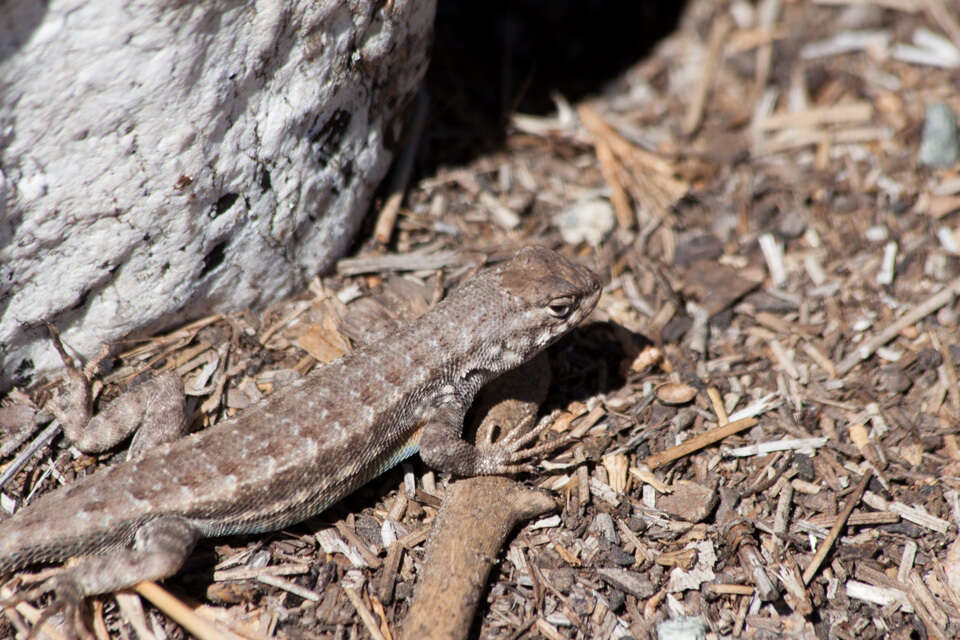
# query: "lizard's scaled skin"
312 443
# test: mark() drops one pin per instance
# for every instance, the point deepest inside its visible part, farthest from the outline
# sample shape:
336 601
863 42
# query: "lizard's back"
276 463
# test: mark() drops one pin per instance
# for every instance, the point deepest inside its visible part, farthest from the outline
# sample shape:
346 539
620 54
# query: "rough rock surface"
159 161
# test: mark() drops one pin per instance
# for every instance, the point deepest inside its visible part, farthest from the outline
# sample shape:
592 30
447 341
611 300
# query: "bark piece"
477 516
718 286
690 501
631 582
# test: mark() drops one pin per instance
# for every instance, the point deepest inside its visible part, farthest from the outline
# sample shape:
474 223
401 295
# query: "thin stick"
388 215
291 586
620 146
937 11
618 197
730 589
45 436
717 401
949 372
366 617
31 613
718 36
178 611
698 442
838 526
921 311
856 112
414 261
767 12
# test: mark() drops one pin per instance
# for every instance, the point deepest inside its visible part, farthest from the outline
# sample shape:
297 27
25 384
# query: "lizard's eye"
561 307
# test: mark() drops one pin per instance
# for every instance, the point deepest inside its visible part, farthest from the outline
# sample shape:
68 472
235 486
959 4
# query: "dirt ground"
765 402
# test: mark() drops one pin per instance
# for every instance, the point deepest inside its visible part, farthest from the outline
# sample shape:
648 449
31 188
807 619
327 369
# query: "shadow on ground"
494 58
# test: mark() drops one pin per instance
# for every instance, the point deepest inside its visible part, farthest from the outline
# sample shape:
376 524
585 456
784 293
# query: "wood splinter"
698 442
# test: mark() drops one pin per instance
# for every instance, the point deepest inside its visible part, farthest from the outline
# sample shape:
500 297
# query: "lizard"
308 445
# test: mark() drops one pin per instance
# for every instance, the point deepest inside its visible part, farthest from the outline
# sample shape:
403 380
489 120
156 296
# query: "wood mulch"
766 401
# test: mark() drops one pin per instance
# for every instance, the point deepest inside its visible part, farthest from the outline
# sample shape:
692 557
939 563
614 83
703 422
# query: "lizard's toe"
67 601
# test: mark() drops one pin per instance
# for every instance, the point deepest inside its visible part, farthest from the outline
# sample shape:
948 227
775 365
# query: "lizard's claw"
506 454
520 436
507 435
67 601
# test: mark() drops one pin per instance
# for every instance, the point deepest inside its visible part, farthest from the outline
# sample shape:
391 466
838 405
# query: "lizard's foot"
74 405
159 549
442 448
67 600
505 455
154 410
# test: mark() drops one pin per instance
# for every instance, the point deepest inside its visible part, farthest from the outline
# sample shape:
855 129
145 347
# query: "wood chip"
398 262
634 583
917 313
675 393
698 442
882 596
616 466
689 501
773 254
915 515
853 113
788 444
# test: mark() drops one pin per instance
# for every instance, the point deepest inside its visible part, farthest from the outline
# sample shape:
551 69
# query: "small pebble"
586 221
792 225
947 317
940 146
684 628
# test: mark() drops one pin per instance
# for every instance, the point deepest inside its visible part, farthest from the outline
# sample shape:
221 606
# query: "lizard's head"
546 296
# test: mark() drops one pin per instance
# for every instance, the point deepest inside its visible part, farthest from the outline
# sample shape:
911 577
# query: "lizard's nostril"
593 280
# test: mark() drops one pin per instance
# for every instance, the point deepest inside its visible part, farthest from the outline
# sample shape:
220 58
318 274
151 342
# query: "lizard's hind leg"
159 549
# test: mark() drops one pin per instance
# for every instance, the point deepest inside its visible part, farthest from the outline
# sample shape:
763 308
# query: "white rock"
586 221
686 628
164 161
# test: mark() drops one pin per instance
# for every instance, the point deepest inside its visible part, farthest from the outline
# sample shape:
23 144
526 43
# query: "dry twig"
698 442
178 611
919 312
838 526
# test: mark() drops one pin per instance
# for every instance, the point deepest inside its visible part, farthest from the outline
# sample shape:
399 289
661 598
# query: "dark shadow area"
18 21
589 361
495 58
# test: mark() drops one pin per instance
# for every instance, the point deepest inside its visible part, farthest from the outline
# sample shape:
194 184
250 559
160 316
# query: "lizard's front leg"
442 448
155 409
